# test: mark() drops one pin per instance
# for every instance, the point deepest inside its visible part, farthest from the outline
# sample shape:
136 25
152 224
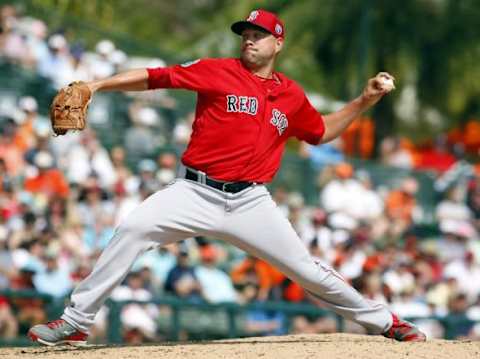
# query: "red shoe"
404 331
56 333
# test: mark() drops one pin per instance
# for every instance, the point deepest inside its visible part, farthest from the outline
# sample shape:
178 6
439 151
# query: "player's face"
258 47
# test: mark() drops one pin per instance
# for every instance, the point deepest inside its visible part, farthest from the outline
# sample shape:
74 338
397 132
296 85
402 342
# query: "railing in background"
452 324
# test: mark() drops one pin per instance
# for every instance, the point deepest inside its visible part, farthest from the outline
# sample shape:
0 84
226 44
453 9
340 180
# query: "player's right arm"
133 80
197 76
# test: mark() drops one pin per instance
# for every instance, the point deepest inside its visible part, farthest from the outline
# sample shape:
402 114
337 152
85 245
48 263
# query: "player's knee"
134 228
311 274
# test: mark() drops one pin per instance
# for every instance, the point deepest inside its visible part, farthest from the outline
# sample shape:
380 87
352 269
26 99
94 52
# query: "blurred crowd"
61 198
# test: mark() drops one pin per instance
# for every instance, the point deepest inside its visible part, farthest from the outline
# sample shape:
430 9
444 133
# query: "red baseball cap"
264 19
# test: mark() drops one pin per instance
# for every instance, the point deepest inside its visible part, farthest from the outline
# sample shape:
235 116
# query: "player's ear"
278 44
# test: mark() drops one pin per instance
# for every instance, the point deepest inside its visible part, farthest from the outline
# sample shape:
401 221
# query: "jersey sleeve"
308 124
195 75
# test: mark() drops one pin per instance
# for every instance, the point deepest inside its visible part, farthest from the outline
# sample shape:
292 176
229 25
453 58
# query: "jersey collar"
280 77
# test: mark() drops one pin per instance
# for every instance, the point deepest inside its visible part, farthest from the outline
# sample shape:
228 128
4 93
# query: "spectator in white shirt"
216 286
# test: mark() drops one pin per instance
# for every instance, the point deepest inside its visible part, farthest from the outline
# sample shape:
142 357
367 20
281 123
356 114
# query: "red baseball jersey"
242 122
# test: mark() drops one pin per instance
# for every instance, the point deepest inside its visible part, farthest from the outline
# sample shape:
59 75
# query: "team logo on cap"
278 29
253 15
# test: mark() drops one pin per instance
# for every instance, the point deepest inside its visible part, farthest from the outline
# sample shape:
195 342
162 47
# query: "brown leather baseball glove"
69 108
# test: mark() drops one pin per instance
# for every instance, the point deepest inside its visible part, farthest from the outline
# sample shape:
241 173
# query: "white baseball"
387 83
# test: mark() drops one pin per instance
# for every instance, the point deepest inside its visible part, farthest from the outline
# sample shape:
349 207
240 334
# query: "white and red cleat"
57 332
404 331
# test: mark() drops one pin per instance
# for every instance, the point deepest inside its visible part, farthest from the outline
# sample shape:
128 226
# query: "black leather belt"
230 187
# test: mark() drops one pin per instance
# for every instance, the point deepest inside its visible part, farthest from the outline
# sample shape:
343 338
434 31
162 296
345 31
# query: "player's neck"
265 71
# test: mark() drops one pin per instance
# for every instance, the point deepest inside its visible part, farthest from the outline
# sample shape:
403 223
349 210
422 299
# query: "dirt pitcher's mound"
341 346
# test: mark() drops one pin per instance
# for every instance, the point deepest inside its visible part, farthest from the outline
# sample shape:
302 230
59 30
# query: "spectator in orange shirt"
399 206
400 203
9 151
25 136
49 181
257 272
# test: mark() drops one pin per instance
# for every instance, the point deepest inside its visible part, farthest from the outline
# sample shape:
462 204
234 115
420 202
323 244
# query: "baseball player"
245 113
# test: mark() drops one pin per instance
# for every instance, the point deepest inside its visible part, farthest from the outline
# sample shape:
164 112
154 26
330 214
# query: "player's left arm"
336 122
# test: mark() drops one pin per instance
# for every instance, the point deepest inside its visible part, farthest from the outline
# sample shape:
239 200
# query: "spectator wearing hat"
57 66
137 319
146 172
216 286
48 181
340 196
54 280
80 70
182 280
102 65
167 168
140 140
89 158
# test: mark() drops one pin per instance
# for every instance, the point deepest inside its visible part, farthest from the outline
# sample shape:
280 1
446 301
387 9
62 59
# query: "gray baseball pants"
249 220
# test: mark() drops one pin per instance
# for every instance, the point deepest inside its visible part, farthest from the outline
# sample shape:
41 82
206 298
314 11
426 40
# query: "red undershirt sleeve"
159 77
195 75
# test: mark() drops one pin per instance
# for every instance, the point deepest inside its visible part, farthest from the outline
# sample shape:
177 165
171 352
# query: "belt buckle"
224 189
201 177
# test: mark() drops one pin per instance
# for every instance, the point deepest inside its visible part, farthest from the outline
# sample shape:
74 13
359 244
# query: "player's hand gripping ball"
386 81
69 108
377 87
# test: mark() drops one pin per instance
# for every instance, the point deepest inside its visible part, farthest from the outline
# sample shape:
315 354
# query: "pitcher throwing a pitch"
245 113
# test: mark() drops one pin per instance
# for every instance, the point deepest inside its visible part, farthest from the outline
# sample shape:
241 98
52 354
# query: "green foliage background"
332 46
